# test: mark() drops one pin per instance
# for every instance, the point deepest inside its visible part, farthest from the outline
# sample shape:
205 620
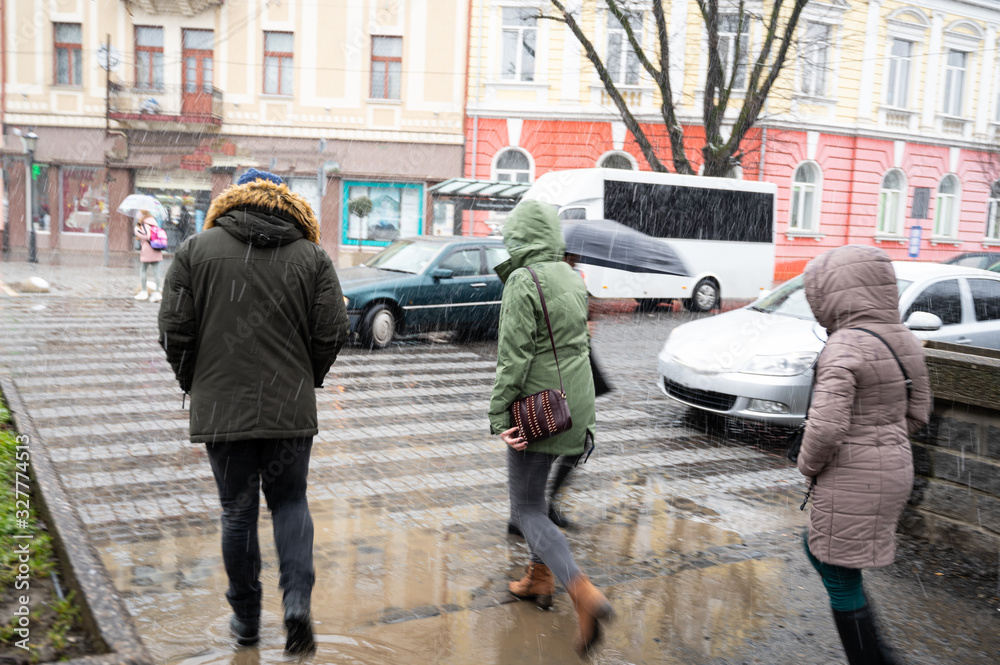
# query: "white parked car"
756 362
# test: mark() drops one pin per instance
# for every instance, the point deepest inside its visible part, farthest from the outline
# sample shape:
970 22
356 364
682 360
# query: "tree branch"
630 122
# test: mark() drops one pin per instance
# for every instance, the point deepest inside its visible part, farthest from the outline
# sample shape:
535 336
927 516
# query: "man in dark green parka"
251 321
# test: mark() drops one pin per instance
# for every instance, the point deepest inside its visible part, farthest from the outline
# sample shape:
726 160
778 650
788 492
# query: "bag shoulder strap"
906 377
548 324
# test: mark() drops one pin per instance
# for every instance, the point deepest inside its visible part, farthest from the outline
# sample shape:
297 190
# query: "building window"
993 213
149 58
396 212
199 63
946 207
278 59
900 59
890 203
622 63
84 200
729 28
387 67
954 82
815 59
617 160
806 197
519 39
512 165
69 53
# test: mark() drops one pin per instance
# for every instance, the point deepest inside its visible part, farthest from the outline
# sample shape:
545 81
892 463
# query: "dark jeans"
241 469
527 476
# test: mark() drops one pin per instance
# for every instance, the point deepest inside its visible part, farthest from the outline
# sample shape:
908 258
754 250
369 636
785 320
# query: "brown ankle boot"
537 585
591 608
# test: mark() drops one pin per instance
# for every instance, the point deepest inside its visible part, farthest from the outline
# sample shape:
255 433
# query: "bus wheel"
705 298
649 304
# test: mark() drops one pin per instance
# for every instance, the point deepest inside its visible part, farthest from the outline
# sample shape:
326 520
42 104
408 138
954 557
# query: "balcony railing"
167 104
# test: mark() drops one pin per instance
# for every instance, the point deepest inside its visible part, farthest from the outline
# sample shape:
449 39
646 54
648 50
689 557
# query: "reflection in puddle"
389 594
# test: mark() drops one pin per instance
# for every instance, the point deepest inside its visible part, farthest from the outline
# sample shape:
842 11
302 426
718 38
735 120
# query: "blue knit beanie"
254 174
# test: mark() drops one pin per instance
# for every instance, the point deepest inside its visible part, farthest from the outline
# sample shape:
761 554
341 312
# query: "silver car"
756 362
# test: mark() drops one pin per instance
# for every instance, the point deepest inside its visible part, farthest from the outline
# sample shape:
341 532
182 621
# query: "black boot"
298 623
860 637
247 633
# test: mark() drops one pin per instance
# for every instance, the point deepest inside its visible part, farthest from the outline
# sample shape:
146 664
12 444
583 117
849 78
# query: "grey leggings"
527 476
157 275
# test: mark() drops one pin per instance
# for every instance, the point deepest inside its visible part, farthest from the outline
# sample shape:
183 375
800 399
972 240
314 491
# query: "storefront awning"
471 194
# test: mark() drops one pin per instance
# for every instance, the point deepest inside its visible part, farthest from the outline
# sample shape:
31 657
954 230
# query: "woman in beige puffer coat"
856 445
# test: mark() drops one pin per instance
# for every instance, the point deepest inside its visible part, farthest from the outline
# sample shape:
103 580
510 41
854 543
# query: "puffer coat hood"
852 286
856 443
532 234
264 214
525 363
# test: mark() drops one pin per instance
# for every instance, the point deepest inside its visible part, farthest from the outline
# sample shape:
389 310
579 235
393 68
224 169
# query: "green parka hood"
532 234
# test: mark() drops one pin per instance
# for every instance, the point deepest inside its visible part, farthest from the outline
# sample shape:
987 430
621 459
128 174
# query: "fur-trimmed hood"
269 198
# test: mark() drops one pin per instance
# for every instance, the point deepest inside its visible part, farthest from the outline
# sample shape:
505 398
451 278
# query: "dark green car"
426 283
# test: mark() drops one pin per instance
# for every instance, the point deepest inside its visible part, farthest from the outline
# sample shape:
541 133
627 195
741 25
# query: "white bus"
722 229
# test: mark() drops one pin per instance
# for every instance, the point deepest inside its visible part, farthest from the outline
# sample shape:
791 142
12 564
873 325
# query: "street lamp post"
30 143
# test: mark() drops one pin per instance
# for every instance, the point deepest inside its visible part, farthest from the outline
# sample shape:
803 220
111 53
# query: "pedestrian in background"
526 365
148 257
252 319
856 447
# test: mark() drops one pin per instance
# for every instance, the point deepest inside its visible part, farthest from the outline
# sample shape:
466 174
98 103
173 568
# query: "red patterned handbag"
545 413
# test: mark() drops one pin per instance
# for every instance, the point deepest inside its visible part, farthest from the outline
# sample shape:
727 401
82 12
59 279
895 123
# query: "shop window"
890 203
520 35
806 198
84 200
617 160
396 211
148 58
622 62
387 67
946 207
993 213
69 53
512 165
278 63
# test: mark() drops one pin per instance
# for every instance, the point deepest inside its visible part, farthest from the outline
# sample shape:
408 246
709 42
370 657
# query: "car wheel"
378 328
705 298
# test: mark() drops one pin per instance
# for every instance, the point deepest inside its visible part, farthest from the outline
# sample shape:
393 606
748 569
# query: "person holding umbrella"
148 255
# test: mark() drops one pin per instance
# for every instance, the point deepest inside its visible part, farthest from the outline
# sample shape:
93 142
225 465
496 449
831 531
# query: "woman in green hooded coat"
527 365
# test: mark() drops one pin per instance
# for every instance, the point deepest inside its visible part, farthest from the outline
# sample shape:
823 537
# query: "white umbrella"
135 202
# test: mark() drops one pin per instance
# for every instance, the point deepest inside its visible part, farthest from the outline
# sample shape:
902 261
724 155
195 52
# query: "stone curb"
103 611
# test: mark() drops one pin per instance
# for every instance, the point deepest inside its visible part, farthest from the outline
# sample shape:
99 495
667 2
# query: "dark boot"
298 623
538 585
247 633
860 637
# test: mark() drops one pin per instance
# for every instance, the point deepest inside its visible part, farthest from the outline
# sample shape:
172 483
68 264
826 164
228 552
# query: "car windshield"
405 256
790 299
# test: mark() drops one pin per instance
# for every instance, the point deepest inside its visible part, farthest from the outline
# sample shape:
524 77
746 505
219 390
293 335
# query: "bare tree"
756 80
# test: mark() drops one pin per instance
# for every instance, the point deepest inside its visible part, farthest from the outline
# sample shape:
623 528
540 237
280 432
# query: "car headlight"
786 364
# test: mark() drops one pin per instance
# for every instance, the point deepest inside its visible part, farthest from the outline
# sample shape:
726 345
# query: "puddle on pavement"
389 594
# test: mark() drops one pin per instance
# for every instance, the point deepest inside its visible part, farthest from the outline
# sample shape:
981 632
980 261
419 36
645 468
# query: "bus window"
573 213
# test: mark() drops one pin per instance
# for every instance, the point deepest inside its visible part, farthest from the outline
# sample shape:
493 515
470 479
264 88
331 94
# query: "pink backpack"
157 237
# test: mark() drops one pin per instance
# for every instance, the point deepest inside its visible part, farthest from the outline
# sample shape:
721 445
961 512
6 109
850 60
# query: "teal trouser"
843 585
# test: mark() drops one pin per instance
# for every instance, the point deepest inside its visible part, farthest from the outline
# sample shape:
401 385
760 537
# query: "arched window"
806 197
890 204
617 160
993 213
512 165
946 207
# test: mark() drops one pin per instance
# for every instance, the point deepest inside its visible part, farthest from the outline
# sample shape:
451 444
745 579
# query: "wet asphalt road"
692 530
